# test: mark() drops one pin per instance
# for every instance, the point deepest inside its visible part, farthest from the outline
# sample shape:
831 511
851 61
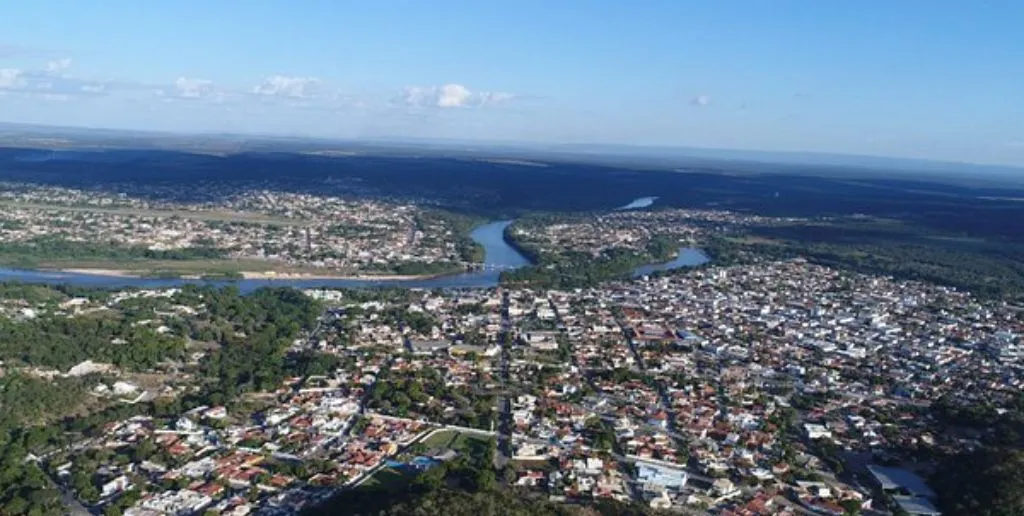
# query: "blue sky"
911 78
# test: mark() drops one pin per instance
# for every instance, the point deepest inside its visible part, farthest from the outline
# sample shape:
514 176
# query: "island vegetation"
575 269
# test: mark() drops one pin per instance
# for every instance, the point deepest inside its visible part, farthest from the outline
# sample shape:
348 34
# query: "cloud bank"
450 96
287 87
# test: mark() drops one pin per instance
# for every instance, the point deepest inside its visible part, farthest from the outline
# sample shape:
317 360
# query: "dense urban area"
767 381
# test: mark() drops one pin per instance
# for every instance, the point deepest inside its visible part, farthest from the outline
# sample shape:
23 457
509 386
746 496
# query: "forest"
500 190
988 481
987 268
253 333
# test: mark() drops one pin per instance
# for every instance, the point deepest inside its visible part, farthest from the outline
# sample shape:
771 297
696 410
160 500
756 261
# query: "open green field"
458 441
386 478
440 439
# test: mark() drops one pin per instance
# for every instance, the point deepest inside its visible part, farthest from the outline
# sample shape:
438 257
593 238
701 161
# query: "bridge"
487 267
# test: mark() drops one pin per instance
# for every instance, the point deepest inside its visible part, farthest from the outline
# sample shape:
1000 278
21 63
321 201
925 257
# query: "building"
655 475
908 490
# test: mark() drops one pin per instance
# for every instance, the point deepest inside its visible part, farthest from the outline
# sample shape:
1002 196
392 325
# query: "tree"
851 506
485 479
986 482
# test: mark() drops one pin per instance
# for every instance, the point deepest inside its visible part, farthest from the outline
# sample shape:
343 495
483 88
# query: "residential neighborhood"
266 233
772 388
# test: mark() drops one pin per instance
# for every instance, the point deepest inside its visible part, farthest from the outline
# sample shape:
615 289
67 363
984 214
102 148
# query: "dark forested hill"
503 188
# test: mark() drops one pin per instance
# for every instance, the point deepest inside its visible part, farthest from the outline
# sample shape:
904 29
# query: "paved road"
663 399
504 404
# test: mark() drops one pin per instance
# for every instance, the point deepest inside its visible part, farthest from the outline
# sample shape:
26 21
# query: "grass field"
440 439
451 439
386 478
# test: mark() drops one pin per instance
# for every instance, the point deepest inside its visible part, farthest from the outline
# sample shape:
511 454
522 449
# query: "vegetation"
412 394
461 224
466 485
576 270
454 502
992 268
26 404
254 332
36 415
986 482
47 248
60 342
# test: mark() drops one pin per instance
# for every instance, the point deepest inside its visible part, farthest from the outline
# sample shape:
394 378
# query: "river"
687 257
636 204
498 256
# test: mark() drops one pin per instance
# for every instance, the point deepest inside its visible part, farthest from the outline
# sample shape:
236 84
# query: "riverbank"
500 257
256 275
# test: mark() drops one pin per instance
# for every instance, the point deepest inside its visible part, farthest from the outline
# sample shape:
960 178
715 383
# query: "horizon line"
773 156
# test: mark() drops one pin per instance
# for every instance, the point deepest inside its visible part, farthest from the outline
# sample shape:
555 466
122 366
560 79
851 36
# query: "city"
758 389
453 258
249 233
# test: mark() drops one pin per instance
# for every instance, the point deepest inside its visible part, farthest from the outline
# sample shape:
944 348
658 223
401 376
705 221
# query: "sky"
929 79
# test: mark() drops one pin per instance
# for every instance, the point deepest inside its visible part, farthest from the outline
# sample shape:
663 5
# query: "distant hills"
682 159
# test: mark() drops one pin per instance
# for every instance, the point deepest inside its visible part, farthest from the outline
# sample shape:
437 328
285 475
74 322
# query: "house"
815 432
541 340
530 478
658 419
723 489
658 500
115 486
185 424
216 413
590 466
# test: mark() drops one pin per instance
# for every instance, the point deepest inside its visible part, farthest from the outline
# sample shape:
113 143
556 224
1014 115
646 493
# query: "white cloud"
701 100
285 86
11 78
58 66
51 83
190 88
451 96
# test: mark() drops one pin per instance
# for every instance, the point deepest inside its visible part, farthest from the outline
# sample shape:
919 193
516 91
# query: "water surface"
687 257
498 257
636 204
